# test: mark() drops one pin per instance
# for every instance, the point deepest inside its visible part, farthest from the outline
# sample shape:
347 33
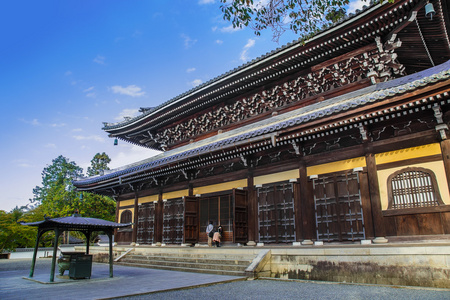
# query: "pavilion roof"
76 222
256 131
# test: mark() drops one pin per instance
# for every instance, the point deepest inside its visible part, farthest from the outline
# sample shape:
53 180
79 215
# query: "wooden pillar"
375 199
190 189
117 214
445 150
298 213
366 205
308 224
251 209
159 219
135 218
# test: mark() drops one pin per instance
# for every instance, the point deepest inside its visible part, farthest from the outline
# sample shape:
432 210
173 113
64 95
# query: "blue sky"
66 66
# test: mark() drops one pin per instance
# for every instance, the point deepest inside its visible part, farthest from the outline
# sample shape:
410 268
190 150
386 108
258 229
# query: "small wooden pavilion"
73 223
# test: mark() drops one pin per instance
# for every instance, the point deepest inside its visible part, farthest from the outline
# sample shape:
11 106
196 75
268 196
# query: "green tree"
12 234
98 164
57 195
304 17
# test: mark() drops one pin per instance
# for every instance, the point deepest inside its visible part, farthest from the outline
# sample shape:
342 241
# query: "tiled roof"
297 42
299 116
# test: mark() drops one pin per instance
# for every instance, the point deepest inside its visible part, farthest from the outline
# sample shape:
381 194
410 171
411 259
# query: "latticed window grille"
413 187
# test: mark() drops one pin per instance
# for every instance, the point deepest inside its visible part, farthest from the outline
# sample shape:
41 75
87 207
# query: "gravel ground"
272 289
277 289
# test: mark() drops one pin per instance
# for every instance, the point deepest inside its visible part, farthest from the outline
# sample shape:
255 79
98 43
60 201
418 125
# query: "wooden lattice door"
191 220
240 230
276 218
173 218
146 223
338 209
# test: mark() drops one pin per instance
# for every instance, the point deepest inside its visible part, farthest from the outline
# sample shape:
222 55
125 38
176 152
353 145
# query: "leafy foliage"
12 234
304 17
57 196
98 164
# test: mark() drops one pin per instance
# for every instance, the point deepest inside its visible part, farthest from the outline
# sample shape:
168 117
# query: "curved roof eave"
293 118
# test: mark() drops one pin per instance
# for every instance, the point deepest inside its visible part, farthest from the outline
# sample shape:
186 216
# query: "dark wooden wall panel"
429 224
407 225
445 217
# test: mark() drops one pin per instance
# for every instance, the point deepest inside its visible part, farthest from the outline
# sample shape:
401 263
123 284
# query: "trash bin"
80 266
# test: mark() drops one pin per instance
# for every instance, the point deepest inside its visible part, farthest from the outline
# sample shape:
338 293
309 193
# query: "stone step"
194 259
184 269
184 264
212 254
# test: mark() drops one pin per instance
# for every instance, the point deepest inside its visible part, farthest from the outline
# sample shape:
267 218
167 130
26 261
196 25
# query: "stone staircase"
214 261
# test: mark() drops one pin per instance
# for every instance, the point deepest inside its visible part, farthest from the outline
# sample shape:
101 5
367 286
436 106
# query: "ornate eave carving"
378 64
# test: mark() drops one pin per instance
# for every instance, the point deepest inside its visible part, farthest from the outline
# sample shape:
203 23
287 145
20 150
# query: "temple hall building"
342 138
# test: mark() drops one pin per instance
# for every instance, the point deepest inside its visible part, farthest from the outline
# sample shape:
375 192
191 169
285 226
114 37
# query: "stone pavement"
15 284
139 283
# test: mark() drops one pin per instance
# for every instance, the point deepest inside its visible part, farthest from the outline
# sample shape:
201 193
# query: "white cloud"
196 82
22 163
244 53
77 130
50 145
58 124
100 60
33 122
190 70
90 92
188 42
131 90
127 112
219 42
230 29
68 73
130 154
89 138
201 2
356 4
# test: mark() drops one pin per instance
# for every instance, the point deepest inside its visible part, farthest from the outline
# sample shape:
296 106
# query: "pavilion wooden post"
55 249
88 238
109 233
36 247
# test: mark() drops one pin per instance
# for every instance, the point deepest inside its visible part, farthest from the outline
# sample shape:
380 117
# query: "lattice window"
126 216
412 188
